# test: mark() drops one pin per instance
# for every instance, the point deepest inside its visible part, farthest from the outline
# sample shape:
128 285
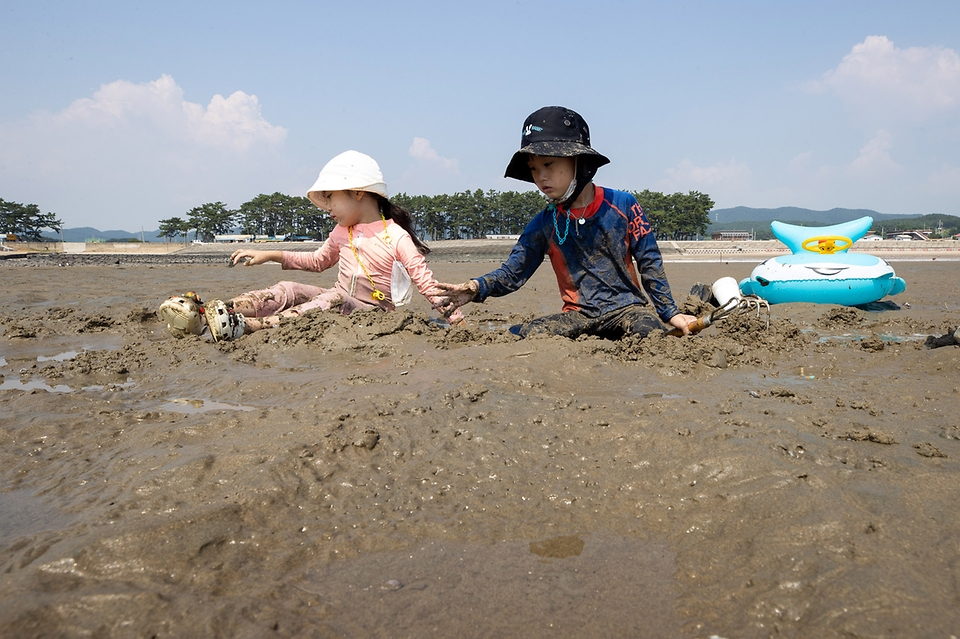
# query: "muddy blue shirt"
593 261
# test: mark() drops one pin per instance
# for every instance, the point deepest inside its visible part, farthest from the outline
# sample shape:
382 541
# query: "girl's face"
343 206
552 175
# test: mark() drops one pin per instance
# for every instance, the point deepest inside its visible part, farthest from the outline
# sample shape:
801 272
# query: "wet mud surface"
384 475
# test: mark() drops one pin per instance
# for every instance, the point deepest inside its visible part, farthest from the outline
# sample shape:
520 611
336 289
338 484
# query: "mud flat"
383 475
78 253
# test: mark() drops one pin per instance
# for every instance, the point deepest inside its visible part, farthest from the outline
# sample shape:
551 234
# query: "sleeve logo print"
639 226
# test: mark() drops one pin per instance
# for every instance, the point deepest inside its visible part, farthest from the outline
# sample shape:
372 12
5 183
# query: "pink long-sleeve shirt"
377 255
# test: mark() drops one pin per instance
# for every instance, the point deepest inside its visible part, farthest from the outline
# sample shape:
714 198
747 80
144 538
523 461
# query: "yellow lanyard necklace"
376 293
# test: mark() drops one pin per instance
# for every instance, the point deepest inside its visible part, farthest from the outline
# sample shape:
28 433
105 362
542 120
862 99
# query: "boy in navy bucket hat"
597 239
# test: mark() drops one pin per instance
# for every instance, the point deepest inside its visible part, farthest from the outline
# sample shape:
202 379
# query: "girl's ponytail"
402 217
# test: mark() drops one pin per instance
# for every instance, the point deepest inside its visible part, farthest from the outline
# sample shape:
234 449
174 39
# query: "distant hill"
757 221
84 233
722 218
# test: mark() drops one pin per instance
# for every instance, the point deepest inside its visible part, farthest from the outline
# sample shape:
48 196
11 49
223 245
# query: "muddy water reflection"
565 586
34 384
192 406
23 514
558 547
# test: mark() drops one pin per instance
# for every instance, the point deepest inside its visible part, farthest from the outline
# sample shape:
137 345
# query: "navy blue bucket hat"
556 132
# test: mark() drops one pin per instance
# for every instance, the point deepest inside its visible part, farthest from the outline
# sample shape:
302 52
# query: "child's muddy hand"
245 257
682 322
453 296
245 261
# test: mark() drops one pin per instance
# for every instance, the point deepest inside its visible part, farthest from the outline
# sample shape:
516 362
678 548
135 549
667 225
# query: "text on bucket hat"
349 171
555 132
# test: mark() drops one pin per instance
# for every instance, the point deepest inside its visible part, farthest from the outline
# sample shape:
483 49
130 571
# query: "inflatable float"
820 269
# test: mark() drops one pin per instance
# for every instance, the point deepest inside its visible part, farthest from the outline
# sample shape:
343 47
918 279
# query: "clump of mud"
54 321
363 329
740 339
873 343
695 305
98 363
363 324
841 316
457 335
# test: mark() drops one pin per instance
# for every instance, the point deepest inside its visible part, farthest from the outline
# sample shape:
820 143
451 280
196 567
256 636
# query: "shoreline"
455 251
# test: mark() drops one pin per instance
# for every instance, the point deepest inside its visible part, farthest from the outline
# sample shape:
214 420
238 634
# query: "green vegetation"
939 225
677 216
174 227
465 215
470 214
475 214
276 215
281 215
26 221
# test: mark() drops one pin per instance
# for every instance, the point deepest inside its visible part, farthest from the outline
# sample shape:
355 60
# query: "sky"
117 115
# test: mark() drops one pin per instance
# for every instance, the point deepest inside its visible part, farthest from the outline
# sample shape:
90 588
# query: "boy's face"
552 175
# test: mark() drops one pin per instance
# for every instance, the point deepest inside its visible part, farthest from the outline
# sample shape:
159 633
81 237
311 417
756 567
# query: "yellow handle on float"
826 244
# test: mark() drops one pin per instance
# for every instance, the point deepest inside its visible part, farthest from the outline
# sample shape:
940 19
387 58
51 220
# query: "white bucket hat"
349 171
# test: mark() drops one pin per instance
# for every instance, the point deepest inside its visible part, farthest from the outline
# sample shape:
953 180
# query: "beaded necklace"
566 229
376 293
556 226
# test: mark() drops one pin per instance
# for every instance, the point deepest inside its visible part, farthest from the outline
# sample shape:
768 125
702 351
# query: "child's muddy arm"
254 257
453 296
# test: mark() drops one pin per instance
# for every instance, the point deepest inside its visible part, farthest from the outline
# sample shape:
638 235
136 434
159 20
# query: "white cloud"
873 168
945 180
424 152
904 102
430 174
725 181
135 153
800 162
234 122
874 160
876 78
870 178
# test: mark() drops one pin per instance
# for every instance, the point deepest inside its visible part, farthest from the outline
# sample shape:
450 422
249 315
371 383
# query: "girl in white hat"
374 245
